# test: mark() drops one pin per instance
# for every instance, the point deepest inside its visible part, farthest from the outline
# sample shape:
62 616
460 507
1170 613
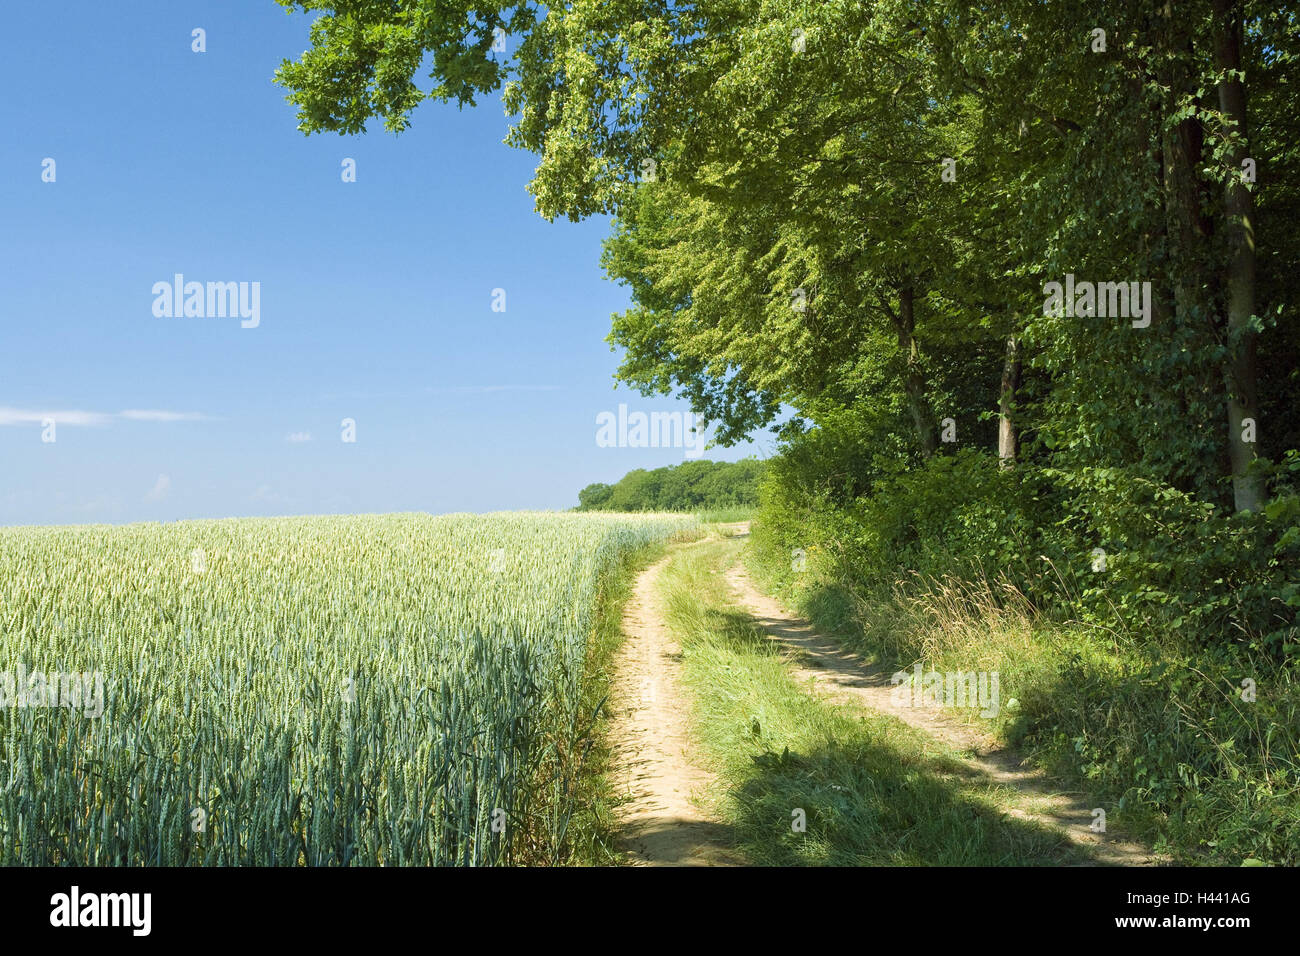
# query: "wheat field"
376 690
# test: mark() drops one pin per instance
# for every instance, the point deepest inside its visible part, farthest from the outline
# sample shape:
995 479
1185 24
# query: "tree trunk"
1008 440
1241 373
1188 229
914 384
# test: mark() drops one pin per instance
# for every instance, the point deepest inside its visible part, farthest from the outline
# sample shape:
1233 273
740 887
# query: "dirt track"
660 825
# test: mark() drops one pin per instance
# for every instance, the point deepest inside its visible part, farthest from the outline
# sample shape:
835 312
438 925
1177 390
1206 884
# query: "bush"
1179 566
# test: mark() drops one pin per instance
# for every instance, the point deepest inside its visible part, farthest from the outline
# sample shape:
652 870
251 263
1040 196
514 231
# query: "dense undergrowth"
1145 643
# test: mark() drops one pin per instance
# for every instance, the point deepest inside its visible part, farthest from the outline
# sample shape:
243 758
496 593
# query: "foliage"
691 486
1132 677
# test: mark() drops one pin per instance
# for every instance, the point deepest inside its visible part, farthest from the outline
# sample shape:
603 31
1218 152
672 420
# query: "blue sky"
376 296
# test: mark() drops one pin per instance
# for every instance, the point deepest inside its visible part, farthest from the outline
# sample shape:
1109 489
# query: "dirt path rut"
660 824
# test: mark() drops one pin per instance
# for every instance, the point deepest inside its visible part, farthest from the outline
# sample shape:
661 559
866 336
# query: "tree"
754 152
594 497
690 486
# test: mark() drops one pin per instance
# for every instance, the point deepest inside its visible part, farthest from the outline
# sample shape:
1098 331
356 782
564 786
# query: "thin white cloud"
160 488
24 416
159 415
29 416
299 436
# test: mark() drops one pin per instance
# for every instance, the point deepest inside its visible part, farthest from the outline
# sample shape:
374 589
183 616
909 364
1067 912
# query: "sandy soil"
831 669
660 824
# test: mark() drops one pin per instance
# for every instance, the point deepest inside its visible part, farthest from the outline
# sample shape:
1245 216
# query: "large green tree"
755 153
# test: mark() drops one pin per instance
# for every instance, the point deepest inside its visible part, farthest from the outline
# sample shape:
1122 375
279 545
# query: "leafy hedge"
690 486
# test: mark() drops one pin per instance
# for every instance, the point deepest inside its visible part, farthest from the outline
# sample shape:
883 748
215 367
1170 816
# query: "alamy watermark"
75 908
1124 300
654 430
213 300
74 690
953 689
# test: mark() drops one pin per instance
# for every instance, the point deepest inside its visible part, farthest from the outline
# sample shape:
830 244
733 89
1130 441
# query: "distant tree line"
690 486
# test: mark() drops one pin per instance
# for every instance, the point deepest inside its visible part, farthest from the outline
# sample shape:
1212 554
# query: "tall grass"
1195 749
397 689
